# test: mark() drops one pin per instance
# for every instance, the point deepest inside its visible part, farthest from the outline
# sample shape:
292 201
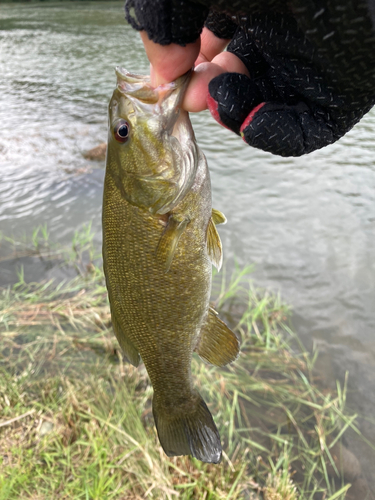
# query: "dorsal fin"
218 217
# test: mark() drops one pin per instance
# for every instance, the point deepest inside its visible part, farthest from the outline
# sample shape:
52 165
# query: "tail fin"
188 431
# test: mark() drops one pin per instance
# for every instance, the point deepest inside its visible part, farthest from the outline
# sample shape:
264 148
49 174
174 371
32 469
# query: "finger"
168 62
237 103
231 63
211 46
287 130
195 99
196 95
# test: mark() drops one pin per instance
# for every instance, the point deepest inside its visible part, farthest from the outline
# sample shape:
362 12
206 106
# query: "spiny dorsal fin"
217 344
169 239
218 217
214 248
130 352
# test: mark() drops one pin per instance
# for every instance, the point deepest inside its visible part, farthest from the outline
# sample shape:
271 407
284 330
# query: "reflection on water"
307 223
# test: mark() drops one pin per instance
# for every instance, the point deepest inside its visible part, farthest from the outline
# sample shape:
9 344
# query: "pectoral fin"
217 344
130 352
169 239
214 248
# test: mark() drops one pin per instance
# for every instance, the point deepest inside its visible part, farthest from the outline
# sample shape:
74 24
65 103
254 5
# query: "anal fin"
169 239
217 344
130 352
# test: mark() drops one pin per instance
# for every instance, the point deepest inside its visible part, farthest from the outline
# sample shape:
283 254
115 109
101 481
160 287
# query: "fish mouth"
166 99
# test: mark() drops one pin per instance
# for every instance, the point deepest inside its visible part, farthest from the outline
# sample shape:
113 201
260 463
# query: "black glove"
311 64
167 21
301 96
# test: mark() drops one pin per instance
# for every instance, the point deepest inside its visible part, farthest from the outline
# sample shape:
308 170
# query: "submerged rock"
348 465
98 153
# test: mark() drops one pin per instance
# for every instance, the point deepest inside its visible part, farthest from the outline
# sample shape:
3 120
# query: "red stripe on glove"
250 117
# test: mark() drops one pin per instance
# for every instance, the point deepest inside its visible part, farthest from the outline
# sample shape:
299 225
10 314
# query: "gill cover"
155 165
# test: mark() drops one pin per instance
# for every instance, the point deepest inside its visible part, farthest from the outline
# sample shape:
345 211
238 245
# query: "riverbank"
76 421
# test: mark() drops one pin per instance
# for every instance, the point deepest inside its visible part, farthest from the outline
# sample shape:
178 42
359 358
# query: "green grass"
76 422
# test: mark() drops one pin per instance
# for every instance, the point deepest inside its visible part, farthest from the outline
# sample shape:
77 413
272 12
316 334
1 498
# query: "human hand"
268 89
282 107
251 108
168 62
301 96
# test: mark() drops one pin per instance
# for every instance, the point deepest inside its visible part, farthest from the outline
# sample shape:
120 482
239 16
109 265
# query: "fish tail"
188 430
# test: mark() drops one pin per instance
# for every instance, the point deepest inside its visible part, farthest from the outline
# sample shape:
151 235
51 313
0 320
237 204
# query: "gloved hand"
311 65
294 102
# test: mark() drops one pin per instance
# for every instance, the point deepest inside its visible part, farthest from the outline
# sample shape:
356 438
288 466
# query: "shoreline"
66 388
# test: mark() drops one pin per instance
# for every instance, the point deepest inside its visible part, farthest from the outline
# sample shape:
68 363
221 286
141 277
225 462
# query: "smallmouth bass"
159 243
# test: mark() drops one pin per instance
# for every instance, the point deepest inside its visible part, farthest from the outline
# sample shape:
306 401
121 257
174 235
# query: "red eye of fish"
121 131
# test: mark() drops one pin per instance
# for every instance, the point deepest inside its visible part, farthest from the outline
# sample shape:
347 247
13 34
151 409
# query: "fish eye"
121 131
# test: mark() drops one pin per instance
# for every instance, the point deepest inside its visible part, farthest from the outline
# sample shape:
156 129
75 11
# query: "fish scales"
159 239
158 308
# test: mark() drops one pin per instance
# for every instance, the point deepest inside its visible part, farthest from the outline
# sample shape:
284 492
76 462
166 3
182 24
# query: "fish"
159 243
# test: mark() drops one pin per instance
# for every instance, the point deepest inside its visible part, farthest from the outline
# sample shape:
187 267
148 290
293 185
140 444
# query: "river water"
307 224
